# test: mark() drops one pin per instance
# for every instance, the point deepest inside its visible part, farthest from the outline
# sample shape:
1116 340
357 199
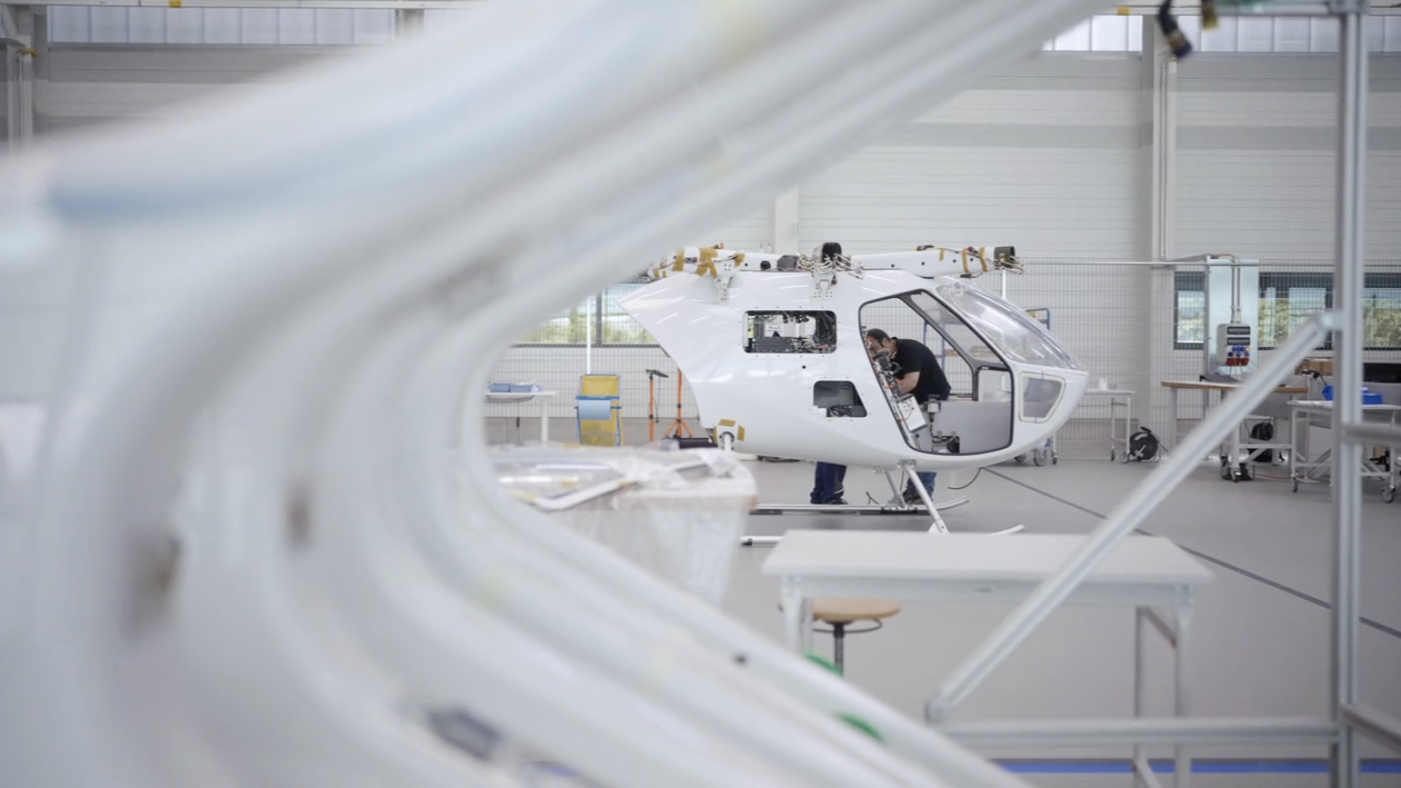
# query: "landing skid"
901 509
897 506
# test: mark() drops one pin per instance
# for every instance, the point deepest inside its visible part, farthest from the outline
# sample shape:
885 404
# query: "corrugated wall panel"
1256 156
1045 156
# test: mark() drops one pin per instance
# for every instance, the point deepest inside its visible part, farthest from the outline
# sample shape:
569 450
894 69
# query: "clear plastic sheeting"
677 514
1013 332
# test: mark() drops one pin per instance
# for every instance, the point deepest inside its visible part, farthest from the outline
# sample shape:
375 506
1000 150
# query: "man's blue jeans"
927 479
827 483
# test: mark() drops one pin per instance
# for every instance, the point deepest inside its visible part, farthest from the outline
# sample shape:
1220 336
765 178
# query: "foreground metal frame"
1349 718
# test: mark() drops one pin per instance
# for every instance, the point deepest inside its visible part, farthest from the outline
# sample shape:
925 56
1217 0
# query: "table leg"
1113 427
1182 706
1140 685
805 624
544 421
1173 393
1236 458
1395 459
794 610
1293 447
1128 425
1206 410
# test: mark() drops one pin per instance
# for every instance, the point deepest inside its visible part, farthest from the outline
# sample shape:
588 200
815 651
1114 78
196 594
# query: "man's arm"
908 383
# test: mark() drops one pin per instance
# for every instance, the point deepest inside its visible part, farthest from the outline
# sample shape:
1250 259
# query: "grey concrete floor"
1261 630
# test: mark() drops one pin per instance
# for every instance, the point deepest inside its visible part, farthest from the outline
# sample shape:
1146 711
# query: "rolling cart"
1319 413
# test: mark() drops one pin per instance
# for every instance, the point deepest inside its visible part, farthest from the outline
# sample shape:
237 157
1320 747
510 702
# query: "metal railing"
1349 718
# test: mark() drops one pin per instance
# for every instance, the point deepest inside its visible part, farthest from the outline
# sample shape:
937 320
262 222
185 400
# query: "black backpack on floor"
1263 432
1143 445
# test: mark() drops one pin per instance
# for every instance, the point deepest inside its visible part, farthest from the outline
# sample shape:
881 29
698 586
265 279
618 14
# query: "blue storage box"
499 388
522 388
1368 397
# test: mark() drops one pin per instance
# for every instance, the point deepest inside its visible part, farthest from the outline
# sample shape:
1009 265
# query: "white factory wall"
1256 144
1051 156
1256 167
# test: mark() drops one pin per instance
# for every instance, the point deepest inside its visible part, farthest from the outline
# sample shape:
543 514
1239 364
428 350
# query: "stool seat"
841 612
846 611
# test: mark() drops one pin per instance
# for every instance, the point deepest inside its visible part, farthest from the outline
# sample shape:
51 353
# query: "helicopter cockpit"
1002 367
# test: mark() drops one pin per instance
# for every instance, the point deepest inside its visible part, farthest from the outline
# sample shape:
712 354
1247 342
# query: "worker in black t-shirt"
917 372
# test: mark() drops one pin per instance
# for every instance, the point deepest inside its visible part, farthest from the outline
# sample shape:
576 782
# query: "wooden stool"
841 613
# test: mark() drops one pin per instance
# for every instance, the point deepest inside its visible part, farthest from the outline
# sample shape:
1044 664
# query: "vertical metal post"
588 336
1140 685
1182 703
1348 280
16 31
408 22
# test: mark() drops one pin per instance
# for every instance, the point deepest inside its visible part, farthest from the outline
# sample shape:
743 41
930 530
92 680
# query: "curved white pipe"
444 642
452 539
96 503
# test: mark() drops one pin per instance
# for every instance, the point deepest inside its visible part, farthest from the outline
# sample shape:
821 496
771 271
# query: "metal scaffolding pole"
1348 341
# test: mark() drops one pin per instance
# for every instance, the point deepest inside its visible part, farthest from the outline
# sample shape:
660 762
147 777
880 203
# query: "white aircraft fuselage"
778 364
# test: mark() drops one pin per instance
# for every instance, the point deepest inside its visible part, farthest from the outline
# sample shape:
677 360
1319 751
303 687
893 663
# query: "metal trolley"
1304 414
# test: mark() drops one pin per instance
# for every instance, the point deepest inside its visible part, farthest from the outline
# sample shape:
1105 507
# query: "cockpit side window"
790 332
977 415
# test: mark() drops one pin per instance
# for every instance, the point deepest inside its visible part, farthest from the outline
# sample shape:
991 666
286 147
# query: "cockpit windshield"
1014 333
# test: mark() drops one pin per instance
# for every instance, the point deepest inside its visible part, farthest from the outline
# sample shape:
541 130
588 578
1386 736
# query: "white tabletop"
980 557
1327 404
1110 392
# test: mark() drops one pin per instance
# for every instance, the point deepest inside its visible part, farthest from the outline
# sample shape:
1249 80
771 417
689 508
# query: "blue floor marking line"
1275 584
1199 765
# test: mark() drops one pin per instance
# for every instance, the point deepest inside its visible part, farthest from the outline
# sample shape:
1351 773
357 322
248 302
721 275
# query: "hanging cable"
970 481
1181 47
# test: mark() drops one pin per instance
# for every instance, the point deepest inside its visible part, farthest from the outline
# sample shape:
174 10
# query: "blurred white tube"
119 435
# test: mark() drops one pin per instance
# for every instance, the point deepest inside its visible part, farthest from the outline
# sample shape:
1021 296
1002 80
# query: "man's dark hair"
877 335
831 250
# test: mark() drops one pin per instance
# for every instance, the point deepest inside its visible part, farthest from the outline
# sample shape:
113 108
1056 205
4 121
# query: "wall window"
1287 299
597 320
75 24
1246 33
1251 33
1101 33
1189 310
